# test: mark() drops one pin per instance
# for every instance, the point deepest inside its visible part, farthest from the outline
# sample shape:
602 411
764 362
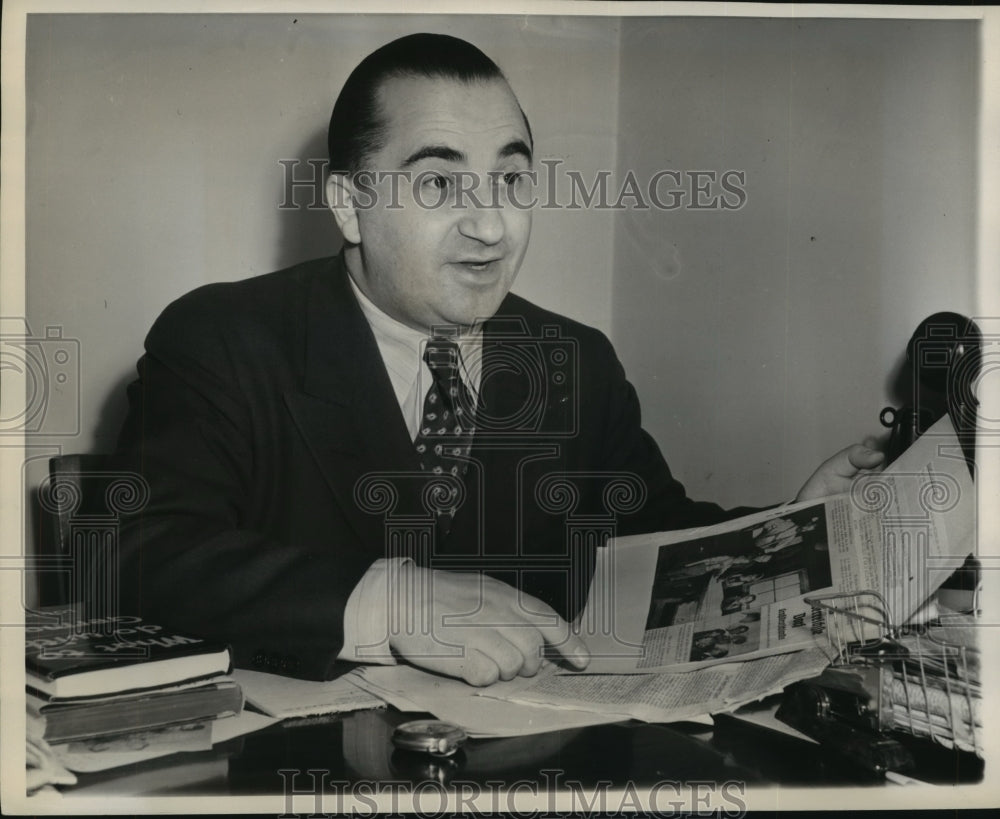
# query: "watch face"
430 736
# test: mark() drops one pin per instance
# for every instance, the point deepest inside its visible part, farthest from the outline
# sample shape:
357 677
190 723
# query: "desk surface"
357 747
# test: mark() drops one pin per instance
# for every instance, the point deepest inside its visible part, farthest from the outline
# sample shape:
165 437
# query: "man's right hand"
474 627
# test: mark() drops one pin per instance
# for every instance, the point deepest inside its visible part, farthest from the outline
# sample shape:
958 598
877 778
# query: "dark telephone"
944 356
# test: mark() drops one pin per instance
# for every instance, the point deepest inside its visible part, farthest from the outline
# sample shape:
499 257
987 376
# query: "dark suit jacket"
280 466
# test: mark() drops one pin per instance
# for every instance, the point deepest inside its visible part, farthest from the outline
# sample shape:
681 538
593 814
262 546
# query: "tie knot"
444 360
442 357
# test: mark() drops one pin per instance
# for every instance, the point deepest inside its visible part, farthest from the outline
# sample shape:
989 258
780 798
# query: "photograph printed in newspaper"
742 589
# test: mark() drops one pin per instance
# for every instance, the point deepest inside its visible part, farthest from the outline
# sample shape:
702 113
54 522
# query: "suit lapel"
347 411
503 413
505 389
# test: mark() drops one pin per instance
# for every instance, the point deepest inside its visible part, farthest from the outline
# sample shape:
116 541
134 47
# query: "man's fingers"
561 637
479 669
507 656
471 665
574 650
848 462
480 656
835 474
498 631
554 630
861 457
529 643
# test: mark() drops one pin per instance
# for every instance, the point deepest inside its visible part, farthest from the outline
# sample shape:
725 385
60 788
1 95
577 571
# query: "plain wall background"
760 340
764 339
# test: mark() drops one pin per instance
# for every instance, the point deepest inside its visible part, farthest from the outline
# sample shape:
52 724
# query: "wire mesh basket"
918 679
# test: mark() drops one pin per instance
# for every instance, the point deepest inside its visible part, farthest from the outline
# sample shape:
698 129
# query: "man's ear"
340 200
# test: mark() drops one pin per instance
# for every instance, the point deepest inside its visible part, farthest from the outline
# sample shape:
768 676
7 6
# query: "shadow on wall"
109 422
307 230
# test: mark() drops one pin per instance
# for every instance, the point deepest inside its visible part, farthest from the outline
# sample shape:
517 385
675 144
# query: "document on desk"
284 697
748 588
411 689
667 696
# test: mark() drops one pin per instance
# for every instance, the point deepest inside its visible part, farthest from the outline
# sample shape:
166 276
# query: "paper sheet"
43 767
84 757
668 696
763 716
480 716
112 752
284 697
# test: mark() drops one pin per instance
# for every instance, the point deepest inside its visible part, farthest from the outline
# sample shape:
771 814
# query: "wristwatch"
431 736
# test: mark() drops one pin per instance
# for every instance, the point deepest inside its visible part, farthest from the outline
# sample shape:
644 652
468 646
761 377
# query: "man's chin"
463 323
475 311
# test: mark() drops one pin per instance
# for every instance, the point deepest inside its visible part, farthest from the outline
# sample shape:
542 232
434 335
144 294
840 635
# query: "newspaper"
413 689
745 589
668 696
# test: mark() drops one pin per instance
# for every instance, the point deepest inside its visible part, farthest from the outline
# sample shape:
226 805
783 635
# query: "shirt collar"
402 347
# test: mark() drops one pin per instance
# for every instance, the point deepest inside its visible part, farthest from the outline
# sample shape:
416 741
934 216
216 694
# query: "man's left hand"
835 474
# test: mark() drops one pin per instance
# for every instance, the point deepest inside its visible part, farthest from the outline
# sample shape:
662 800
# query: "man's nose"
482 223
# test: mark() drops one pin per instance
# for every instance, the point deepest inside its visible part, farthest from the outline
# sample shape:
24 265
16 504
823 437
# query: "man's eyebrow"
434 152
514 148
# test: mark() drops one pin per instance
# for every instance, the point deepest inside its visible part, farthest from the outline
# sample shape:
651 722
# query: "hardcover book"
89 717
66 657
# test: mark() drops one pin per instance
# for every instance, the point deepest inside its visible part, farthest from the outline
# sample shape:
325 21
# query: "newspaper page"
748 588
668 696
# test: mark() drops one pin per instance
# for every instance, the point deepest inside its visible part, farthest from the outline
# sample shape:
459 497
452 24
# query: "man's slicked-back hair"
357 125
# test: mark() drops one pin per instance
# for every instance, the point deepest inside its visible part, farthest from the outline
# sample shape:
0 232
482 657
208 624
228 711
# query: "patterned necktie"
445 435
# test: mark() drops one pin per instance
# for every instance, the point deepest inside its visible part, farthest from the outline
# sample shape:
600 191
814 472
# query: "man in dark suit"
305 505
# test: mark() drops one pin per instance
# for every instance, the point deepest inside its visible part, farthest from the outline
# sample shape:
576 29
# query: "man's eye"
513 177
437 181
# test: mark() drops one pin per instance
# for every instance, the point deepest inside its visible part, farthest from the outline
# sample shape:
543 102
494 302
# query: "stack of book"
112 676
